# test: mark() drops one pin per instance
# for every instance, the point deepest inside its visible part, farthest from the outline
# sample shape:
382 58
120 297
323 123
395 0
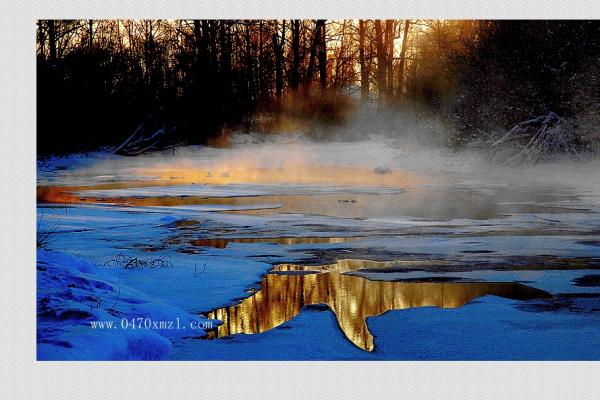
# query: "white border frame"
23 377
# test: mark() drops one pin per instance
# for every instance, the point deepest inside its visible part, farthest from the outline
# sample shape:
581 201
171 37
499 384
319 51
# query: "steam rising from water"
399 151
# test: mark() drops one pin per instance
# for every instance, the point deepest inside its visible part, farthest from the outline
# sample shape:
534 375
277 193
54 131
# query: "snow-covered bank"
74 294
489 328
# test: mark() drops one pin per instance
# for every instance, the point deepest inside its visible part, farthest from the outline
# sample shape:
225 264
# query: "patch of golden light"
232 173
353 299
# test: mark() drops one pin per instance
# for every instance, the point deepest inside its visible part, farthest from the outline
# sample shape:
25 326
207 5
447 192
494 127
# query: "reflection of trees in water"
353 299
222 243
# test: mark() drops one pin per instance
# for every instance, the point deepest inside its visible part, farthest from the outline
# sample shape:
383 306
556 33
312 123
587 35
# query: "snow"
488 329
72 293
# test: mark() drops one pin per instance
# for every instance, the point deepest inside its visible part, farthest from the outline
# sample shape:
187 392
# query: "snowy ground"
424 215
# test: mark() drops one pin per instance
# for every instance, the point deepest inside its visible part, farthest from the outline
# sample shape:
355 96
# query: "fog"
397 150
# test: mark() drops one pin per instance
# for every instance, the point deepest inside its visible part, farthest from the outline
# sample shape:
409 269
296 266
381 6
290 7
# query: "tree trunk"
322 55
41 39
313 52
250 83
90 35
278 50
225 65
295 73
389 45
400 85
364 72
381 63
261 93
52 40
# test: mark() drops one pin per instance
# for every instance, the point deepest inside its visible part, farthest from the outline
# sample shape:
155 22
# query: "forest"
526 89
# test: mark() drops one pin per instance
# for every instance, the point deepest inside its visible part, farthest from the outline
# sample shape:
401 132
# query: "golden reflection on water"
246 171
346 265
240 172
353 299
221 243
413 202
354 205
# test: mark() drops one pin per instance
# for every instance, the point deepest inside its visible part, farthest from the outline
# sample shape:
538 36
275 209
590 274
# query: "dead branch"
128 262
154 133
538 138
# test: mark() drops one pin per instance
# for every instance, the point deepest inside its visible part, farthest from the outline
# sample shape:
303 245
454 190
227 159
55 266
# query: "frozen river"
359 250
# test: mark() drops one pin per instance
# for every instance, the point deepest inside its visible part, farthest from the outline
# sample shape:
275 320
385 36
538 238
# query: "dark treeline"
194 80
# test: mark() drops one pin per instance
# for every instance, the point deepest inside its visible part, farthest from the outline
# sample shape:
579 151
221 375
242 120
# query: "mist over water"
366 152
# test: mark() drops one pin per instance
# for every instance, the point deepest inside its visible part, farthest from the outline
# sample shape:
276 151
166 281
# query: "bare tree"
381 63
364 70
400 84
